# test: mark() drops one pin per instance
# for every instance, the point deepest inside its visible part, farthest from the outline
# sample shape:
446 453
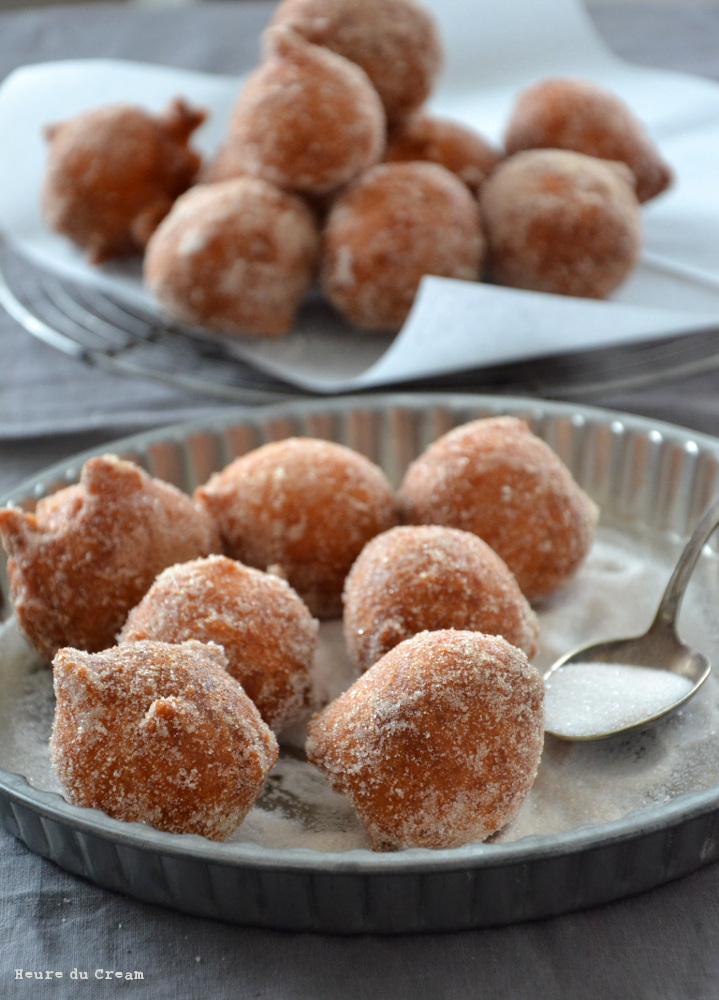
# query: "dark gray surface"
662 944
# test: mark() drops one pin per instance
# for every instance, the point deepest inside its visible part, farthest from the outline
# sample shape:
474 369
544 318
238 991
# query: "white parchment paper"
492 52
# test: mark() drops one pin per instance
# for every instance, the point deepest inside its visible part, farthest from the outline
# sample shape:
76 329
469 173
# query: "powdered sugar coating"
571 113
90 551
302 505
455 146
495 478
159 733
428 577
438 743
307 119
562 222
396 42
113 173
237 257
268 635
398 222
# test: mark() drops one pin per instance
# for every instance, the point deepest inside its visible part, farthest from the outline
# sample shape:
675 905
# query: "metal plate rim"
471 859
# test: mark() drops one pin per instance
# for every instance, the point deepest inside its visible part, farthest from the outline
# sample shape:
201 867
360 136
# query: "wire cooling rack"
119 336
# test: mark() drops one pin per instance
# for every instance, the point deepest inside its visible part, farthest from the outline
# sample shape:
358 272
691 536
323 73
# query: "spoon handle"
672 597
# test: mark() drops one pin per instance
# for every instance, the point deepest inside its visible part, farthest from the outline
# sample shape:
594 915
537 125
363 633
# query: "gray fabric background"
663 944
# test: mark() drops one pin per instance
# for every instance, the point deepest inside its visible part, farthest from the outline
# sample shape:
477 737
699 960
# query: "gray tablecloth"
663 944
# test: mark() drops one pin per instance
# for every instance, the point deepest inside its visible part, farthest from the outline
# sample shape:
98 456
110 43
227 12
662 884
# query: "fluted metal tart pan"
648 477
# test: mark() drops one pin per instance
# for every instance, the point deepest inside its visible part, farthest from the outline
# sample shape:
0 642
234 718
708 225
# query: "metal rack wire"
122 337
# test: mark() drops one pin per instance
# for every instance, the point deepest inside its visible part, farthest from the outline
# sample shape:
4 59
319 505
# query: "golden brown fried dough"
159 733
90 551
438 743
268 635
398 222
427 577
396 42
236 257
561 222
571 113
495 478
304 506
439 140
114 172
307 119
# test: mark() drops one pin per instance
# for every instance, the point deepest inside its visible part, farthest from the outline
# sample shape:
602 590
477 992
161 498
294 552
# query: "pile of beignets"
183 629
332 172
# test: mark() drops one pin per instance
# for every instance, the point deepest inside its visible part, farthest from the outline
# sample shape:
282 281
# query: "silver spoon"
659 647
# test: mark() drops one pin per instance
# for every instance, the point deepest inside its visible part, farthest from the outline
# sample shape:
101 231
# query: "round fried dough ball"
113 173
306 119
438 744
268 635
396 42
561 222
159 733
497 479
428 577
398 222
439 140
90 551
570 113
235 257
303 507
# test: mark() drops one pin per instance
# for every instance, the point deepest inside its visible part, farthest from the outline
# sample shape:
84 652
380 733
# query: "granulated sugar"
27 705
616 594
588 699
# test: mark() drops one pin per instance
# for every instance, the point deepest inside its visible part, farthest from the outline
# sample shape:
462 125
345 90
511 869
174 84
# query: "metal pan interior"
650 479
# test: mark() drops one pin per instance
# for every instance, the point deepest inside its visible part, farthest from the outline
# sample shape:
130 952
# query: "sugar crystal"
587 699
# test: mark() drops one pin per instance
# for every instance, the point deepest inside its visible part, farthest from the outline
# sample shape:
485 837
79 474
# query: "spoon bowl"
641 665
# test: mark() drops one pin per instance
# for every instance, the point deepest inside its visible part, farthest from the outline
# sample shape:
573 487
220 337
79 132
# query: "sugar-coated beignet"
236 257
561 222
396 42
571 113
416 578
439 140
268 635
159 733
307 119
495 478
305 507
113 173
398 222
90 551
438 743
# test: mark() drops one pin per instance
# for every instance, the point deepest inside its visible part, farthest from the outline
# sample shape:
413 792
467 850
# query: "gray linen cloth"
662 944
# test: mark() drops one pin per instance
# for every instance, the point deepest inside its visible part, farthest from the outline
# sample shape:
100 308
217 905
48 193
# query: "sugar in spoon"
605 688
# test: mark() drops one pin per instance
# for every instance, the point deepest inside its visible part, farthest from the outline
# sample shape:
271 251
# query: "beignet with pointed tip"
90 551
438 743
497 479
396 42
396 223
307 119
576 114
457 147
268 634
113 173
236 257
159 733
305 506
416 578
561 222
